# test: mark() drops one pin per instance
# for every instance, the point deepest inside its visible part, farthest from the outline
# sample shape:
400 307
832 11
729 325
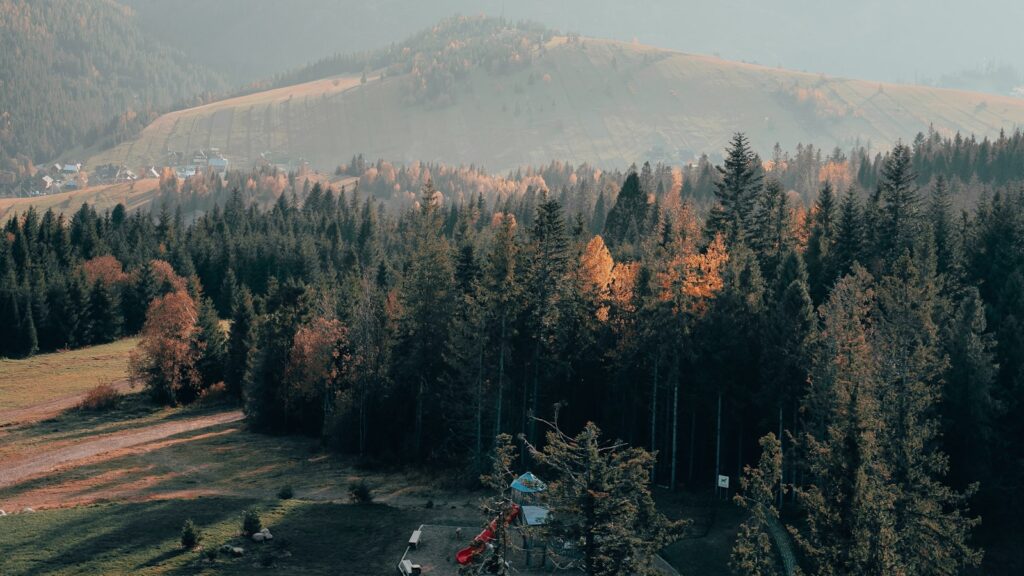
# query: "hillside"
133 195
81 73
601 101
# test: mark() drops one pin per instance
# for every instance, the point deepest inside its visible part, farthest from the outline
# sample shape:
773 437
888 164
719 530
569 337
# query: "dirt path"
49 461
51 408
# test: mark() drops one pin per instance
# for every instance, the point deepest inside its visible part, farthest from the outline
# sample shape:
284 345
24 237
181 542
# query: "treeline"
420 334
80 73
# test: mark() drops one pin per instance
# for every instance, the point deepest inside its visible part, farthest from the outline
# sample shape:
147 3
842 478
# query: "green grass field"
50 376
310 538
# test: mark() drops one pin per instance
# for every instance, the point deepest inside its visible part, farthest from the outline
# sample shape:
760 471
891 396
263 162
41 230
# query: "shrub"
190 535
285 493
360 493
251 522
214 393
103 397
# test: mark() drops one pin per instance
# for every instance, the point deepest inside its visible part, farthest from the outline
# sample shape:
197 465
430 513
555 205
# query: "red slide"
466 555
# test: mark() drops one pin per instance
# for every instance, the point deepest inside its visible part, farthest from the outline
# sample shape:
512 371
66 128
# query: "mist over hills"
480 91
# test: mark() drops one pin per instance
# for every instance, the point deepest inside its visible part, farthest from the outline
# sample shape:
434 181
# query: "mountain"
478 91
81 73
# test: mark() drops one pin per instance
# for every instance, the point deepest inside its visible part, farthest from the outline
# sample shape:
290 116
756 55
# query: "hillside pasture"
605 102
133 195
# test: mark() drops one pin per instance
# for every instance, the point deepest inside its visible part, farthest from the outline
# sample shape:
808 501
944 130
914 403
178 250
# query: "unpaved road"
48 461
51 408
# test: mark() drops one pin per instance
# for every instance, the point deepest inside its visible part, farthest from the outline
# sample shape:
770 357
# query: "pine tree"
754 553
212 342
425 296
948 252
503 286
821 243
773 236
104 313
547 266
900 218
496 507
849 526
737 194
849 243
241 341
628 220
601 498
928 515
464 351
970 402
788 336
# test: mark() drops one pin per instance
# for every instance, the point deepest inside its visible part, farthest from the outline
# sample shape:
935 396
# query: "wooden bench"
407 568
414 540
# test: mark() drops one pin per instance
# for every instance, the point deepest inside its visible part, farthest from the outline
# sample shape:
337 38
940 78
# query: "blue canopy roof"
529 484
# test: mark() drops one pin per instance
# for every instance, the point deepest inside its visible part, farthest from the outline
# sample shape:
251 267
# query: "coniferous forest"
873 327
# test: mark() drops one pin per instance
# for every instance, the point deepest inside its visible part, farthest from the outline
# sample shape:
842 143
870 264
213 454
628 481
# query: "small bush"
360 492
285 493
214 393
190 535
103 397
251 522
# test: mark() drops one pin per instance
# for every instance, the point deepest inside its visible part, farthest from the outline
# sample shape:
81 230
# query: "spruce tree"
601 498
241 341
546 268
821 243
425 296
849 243
737 193
628 220
754 552
104 314
899 223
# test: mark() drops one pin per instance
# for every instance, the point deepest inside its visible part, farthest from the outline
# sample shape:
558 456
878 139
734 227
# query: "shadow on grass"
109 539
134 411
137 466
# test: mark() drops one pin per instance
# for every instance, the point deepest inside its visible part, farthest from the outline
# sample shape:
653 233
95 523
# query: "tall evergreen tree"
425 296
241 341
849 243
900 218
737 193
602 499
821 243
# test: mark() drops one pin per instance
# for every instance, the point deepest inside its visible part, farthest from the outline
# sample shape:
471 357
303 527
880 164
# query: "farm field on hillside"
598 101
133 195
242 127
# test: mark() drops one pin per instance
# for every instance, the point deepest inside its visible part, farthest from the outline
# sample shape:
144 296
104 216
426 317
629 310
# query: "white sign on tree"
723 481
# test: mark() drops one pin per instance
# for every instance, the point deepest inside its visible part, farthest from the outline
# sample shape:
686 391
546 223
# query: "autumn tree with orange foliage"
315 375
166 361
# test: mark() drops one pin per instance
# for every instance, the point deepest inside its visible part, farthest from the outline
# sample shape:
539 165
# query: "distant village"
65 177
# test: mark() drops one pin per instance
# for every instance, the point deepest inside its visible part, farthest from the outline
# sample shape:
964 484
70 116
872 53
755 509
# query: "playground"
442 550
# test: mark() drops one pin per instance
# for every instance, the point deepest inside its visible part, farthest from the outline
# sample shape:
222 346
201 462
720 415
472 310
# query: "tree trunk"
479 409
693 439
362 424
654 416
417 437
782 453
501 375
675 422
718 442
533 396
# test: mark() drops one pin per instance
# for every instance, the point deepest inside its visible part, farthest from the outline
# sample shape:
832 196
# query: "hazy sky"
895 40
871 39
